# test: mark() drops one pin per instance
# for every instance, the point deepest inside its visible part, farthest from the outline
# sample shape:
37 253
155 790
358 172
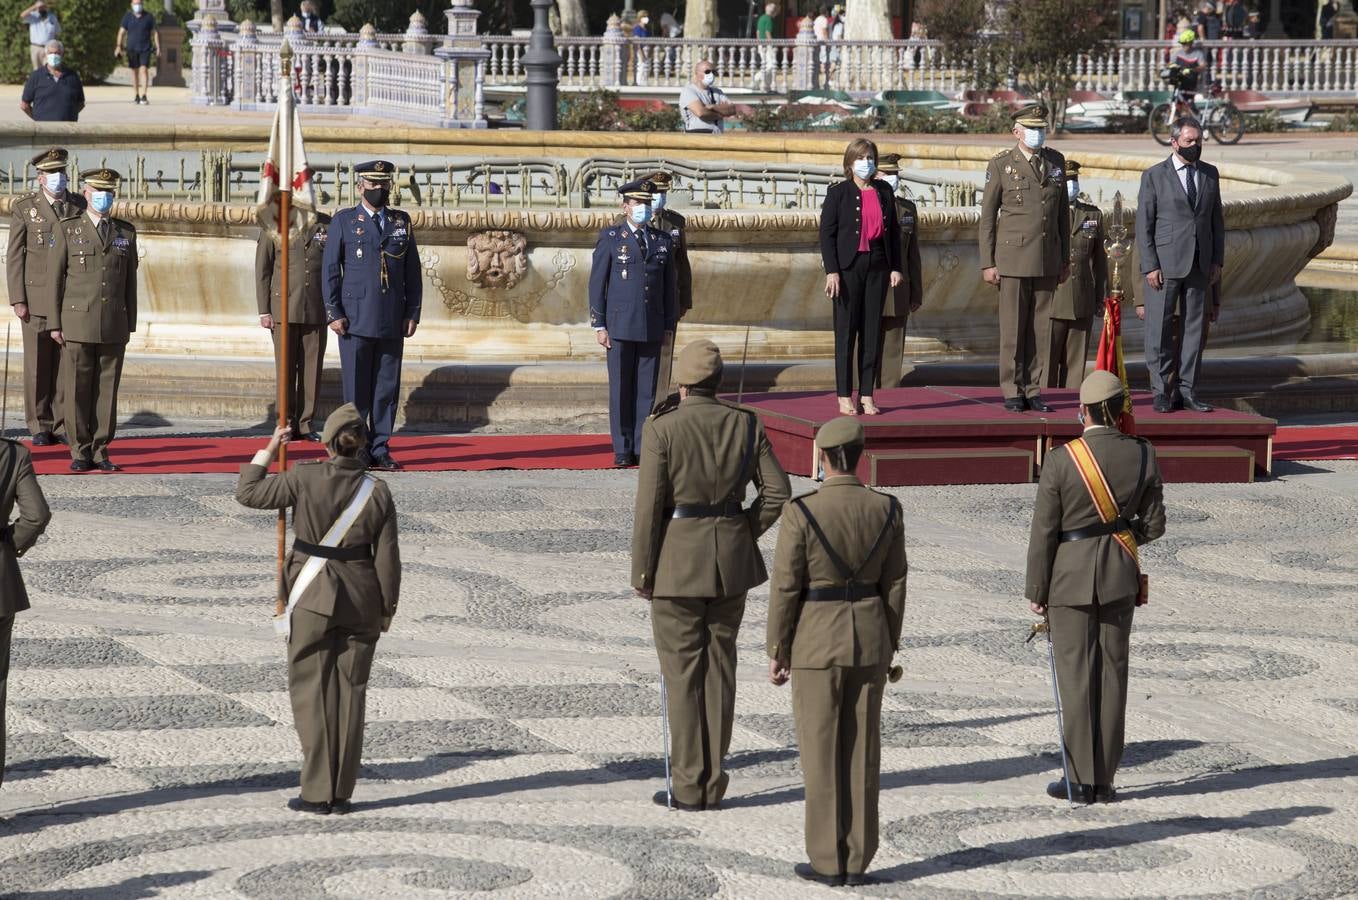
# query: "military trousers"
838 714
370 374
1066 352
1090 644
90 375
695 639
329 662
1025 305
42 377
633 367
6 634
665 366
302 381
891 352
1174 346
858 320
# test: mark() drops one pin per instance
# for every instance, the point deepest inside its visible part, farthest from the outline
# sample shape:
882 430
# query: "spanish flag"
1110 357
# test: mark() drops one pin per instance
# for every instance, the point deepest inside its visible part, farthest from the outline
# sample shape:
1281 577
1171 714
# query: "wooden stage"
964 435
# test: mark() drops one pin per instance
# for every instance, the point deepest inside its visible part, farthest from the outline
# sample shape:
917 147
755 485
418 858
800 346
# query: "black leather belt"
728 510
855 590
345 554
1080 534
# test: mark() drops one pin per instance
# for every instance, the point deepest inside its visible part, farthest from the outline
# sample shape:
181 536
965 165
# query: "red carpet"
1316 442
173 455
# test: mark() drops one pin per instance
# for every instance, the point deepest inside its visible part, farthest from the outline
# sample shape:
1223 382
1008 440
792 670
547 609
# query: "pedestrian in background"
137 35
53 93
42 27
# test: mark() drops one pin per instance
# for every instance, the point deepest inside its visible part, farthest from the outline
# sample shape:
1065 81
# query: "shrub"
994 120
88 29
1269 120
599 110
919 120
1343 122
667 118
778 117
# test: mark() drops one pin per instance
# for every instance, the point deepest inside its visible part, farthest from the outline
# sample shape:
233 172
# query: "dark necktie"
381 221
641 239
1037 165
103 231
1192 184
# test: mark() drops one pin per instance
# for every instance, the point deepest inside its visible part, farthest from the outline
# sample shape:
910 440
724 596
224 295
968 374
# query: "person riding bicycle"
1189 64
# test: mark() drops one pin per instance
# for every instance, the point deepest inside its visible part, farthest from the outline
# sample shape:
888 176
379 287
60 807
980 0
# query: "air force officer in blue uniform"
372 289
633 304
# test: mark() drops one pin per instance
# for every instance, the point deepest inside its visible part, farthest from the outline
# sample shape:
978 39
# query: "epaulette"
668 405
1003 153
32 195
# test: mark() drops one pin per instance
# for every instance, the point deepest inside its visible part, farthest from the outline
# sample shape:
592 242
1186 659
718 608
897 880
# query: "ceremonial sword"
1044 627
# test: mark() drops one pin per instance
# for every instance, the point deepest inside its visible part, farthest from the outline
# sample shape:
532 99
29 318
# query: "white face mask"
1034 137
864 168
136 8
892 181
709 78
54 60
55 182
658 202
1072 189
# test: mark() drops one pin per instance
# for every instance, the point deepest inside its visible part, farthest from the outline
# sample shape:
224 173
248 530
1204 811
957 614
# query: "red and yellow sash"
1105 503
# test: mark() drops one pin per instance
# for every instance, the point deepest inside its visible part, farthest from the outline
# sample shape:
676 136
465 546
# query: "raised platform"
964 435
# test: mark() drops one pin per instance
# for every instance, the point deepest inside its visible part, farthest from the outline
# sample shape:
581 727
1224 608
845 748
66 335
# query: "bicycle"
1219 117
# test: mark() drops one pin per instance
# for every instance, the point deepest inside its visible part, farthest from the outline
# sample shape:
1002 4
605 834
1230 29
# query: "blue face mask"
658 202
55 182
1034 137
101 201
641 213
864 168
54 60
1072 189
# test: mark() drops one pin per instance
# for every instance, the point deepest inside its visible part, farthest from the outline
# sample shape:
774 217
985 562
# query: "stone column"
247 65
1275 31
543 65
465 70
417 38
209 68
805 68
170 62
613 55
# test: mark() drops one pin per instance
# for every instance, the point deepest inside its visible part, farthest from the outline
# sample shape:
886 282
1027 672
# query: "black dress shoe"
805 871
1036 405
1162 404
81 465
1080 793
633 460
385 463
341 807
1193 403
1016 404
59 437
859 879
1105 793
313 436
659 799
106 465
43 439
622 460
297 804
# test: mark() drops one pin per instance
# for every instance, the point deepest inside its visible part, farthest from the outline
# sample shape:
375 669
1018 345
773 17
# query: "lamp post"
542 63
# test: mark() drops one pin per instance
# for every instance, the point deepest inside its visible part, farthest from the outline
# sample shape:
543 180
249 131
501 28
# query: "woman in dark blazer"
860 248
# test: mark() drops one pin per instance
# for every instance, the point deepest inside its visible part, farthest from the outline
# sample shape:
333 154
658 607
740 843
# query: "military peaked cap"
641 189
376 170
103 179
889 164
660 181
1072 167
53 160
1034 115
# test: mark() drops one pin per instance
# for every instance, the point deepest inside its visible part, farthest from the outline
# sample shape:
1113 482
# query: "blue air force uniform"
371 277
633 294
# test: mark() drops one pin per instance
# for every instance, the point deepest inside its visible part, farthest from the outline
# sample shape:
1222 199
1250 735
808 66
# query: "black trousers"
858 320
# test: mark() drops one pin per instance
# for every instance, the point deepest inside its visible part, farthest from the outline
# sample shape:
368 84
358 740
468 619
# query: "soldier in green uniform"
1080 297
675 225
836 604
18 487
343 579
306 317
908 296
694 556
1100 497
30 270
1025 251
96 269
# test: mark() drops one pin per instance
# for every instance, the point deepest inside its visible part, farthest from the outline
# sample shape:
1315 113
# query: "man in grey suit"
1181 238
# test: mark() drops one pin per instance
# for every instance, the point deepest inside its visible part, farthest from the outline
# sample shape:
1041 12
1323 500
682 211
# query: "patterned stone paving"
514 738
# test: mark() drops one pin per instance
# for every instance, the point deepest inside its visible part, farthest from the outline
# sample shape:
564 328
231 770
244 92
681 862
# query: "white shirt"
709 97
41 30
1184 170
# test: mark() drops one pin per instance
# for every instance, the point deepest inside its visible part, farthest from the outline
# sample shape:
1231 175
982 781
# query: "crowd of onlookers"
1228 20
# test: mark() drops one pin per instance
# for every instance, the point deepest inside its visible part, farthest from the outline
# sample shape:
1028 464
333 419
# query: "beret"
697 362
844 431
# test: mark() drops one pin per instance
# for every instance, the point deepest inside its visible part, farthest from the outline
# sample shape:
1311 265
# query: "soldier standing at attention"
633 304
1100 497
18 487
30 265
695 555
674 224
343 580
836 604
1025 251
306 317
373 291
1081 296
96 266
908 296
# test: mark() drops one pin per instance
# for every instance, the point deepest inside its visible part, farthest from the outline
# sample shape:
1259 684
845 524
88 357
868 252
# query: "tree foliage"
88 28
1048 37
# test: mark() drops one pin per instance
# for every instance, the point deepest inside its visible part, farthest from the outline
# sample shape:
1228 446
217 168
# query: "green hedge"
602 110
88 29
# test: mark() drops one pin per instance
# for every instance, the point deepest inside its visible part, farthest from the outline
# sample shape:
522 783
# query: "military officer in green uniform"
306 317
908 296
343 580
1025 251
30 265
96 266
18 488
1080 297
675 225
1099 499
836 604
695 555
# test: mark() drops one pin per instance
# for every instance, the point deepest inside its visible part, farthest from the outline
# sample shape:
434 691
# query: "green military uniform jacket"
822 633
306 306
676 226
1085 289
910 292
318 492
97 282
1025 218
20 489
1076 573
30 260
694 452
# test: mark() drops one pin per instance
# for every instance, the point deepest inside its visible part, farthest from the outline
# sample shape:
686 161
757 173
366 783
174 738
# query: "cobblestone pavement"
514 738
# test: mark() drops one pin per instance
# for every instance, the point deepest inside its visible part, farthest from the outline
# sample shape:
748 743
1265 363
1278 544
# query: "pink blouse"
872 219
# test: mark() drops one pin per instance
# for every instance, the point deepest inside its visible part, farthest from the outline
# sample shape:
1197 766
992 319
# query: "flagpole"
285 101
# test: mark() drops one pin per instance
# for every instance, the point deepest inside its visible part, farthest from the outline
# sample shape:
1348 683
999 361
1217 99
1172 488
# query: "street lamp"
543 65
